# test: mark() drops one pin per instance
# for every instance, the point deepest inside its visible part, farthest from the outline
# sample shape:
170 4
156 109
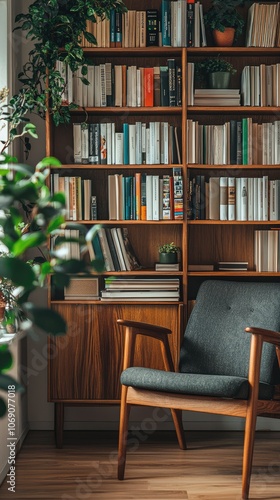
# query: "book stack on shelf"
167 267
143 289
236 142
267 250
144 196
263 25
113 247
216 97
232 266
138 143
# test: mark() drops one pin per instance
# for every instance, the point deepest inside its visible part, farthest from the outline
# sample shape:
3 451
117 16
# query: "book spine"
148 87
152 28
103 144
77 142
118 29
231 198
94 143
143 209
112 28
223 198
166 22
190 23
171 82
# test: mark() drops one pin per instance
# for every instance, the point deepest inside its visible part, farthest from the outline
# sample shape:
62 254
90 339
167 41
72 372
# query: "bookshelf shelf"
144 110
234 51
232 274
122 222
201 166
76 166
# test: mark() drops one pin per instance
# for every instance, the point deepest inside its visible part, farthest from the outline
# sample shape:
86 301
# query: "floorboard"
85 469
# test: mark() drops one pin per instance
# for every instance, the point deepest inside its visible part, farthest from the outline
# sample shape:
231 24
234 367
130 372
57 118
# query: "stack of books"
167 267
232 266
217 97
138 289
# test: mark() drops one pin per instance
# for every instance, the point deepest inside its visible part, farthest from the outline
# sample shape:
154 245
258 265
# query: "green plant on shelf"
168 248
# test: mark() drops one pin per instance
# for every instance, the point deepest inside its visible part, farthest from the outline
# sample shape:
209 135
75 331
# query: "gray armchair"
229 363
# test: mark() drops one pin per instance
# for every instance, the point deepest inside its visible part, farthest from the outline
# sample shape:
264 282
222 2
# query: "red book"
148 86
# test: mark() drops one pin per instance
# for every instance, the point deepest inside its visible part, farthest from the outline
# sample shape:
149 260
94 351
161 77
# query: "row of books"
122 85
219 266
263 25
260 85
138 143
147 289
267 250
145 197
177 24
81 204
112 246
230 198
237 142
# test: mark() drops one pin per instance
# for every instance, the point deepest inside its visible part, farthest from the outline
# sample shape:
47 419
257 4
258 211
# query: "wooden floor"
85 468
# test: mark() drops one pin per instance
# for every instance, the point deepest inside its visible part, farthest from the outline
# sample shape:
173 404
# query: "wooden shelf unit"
85 366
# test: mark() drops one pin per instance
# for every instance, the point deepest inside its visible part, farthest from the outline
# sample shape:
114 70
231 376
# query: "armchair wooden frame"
249 409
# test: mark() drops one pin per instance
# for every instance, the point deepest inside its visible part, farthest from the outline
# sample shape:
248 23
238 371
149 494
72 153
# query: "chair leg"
177 419
249 440
123 430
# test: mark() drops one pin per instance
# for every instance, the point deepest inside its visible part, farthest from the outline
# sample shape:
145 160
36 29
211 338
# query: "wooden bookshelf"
84 368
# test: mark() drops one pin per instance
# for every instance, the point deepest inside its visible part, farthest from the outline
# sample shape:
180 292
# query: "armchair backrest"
214 340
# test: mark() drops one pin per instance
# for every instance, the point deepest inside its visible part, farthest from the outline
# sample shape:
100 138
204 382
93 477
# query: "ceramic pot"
168 258
224 38
219 80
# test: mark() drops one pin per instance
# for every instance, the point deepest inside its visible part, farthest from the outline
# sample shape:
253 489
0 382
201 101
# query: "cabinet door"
86 364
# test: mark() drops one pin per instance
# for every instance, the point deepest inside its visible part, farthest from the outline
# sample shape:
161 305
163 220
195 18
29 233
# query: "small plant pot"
224 38
219 80
168 258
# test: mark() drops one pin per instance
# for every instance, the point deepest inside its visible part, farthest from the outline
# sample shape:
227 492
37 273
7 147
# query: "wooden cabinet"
85 366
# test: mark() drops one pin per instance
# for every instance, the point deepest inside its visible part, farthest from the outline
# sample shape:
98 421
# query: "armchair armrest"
266 335
134 328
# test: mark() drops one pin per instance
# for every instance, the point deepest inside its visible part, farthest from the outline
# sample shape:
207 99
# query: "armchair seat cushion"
192 383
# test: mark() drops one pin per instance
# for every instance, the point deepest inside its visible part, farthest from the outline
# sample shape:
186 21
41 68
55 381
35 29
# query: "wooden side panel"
87 362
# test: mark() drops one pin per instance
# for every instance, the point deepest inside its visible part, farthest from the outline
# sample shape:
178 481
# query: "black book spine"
164 93
171 82
190 24
94 143
178 86
152 28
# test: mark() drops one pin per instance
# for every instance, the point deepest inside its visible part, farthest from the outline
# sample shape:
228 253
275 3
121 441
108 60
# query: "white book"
66 191
265 197
231 198
138 143
97 93
152 143
250 198
118 248
133 86
132 143
260 198
157 143
244 198
272 200
69 85
138 88
147 146
156 197
238 198
119 148
85 143
124 252
149 197
197 24
102 85
77 142
109 143
113 143
91 86
256 198
87 199
109 266
223 198
202 25
143 139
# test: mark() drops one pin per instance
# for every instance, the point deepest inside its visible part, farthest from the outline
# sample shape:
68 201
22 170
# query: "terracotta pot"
224 38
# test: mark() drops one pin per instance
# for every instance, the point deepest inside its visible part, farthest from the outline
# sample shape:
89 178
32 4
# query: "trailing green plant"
168 248
53 25
23 184
225 14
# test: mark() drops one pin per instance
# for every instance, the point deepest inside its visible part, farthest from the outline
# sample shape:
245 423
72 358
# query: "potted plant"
225 20
168 253
215 72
